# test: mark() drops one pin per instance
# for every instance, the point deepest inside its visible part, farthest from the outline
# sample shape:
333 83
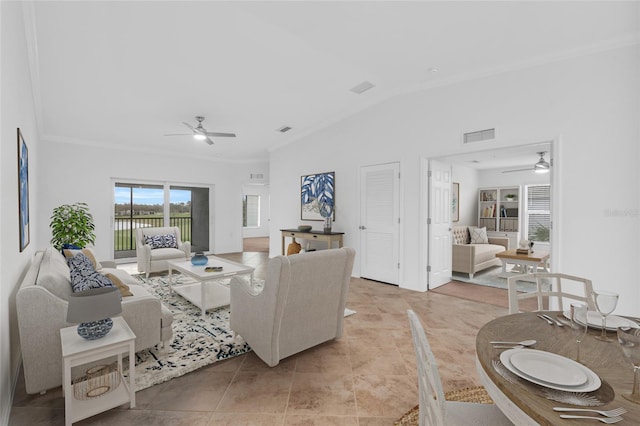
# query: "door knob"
362 227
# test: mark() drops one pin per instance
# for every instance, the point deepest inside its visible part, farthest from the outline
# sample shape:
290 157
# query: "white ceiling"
123 74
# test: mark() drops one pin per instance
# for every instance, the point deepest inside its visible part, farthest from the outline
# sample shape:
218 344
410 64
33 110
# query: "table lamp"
93 309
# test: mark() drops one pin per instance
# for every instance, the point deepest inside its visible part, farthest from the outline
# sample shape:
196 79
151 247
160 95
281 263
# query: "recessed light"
433 70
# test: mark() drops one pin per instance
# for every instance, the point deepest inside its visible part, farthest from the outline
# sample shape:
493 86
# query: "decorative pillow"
84 276
124 289
69 253
161 241
479 235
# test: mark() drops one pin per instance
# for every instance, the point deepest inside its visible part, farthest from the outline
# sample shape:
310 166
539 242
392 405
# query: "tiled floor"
366 378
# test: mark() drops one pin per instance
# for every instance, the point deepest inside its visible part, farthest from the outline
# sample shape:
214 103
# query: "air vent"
256 176
362 87
284 129
480 135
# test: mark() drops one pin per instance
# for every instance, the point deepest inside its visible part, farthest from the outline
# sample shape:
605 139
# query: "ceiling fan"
200 133
542 166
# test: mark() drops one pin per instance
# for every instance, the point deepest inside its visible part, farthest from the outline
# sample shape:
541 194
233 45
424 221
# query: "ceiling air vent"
480 135
284 129
256 176
362 87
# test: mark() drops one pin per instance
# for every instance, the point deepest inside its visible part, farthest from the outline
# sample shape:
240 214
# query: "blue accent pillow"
161 241
84 276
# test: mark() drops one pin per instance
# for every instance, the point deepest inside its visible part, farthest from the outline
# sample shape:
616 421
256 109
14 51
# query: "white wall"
263 229
16 111
84 174
468 180
589 104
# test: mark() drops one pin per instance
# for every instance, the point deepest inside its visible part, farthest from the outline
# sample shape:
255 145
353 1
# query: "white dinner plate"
555 370
593 381
594 320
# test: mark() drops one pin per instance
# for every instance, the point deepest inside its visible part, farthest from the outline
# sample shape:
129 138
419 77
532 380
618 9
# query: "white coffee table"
209 291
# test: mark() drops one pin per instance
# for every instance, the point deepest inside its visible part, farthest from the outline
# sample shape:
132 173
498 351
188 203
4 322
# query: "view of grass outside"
140 206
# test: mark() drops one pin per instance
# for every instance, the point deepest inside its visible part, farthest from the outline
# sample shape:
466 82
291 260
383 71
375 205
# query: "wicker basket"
97 381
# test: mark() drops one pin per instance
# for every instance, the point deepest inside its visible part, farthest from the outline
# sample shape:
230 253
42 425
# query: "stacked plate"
550 370
594 320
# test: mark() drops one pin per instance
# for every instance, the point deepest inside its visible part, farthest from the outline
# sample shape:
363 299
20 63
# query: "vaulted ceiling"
123 74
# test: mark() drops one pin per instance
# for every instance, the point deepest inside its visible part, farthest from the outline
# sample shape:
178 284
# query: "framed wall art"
23 191
455 202
317 196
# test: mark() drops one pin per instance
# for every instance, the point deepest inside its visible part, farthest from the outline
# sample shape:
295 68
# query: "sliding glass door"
154 205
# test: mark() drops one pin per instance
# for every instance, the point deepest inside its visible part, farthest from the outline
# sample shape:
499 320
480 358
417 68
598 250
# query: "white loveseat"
41 304
300 306
470 258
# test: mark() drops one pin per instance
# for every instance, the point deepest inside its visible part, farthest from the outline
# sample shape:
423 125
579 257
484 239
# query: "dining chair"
434 409
550 285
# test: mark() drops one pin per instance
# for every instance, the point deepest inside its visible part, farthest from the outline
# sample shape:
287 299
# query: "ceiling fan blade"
221 135
517 170
209 141
178 134
191 127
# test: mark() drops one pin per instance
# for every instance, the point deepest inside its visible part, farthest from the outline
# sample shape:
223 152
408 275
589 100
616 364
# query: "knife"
548 321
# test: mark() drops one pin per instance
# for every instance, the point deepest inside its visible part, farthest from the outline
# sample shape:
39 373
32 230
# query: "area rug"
197 341
477 395
490 277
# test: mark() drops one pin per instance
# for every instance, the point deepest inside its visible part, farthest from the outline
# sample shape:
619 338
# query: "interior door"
380 223
439 224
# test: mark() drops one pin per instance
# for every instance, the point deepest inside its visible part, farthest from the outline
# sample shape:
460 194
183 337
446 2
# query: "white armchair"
300 306
152 256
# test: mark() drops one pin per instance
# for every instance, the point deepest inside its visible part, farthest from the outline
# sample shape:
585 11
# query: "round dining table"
526 403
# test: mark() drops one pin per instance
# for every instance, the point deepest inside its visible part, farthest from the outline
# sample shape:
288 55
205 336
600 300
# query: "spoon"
523 343
508 347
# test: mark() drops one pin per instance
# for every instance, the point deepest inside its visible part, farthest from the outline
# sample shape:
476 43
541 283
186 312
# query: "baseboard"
6 409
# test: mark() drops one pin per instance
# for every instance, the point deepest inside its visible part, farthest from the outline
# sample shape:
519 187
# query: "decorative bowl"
304 228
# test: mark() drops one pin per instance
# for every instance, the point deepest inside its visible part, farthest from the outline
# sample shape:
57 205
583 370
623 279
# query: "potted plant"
510 197
72 224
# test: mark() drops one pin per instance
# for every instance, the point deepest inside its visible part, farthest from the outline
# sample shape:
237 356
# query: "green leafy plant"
510 196
541 233
72 224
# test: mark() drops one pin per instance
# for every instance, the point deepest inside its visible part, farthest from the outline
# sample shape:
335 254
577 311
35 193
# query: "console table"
329 237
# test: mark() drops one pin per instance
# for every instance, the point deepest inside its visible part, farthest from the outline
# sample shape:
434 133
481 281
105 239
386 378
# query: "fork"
609 413
608 420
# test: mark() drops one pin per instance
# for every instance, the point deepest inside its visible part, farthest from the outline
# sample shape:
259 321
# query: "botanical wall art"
23 191
317 196
455 202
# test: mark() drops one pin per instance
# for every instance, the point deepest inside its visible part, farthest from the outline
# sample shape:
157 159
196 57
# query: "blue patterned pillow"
84 276
161 241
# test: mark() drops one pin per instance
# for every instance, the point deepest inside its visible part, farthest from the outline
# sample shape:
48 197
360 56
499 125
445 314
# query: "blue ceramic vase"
199 259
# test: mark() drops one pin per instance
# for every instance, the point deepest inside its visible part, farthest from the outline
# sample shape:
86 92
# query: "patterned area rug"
197 341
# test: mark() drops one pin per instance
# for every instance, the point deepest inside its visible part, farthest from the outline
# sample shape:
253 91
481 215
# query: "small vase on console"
327 224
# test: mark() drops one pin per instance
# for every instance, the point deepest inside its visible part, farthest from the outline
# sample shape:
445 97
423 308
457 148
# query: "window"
251 211
538 212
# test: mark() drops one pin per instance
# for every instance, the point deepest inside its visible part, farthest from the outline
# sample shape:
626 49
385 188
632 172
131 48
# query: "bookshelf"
499 212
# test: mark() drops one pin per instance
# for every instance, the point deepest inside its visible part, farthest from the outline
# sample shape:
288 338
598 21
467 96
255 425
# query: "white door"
439 221
380 223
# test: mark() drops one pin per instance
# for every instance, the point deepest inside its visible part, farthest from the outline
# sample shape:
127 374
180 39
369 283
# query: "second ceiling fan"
200 133
542 166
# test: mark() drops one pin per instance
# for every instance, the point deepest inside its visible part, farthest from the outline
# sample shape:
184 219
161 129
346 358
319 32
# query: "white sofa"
300 306
471 258
155 259
41 304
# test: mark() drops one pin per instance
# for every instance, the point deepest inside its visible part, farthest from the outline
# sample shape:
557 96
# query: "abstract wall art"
23 191
317 196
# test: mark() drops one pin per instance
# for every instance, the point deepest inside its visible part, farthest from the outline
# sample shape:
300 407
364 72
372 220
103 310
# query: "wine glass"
578 317
606 302
629 339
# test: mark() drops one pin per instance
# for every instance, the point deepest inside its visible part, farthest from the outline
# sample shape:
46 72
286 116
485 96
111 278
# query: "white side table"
78 351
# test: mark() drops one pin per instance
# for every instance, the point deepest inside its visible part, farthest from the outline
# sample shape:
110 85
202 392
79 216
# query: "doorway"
511 166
